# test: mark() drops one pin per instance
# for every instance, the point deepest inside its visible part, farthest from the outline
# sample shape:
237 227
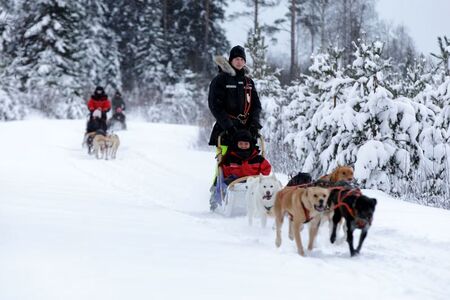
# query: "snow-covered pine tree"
416 78
46 40
201 35
11 107
371 130
98 49
388 149
323 88
272 98
180 102
122 17
169 94
444 55
435 175
151 60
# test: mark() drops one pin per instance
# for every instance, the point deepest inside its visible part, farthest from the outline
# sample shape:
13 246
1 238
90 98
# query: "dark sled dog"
299 179
87 141
357 210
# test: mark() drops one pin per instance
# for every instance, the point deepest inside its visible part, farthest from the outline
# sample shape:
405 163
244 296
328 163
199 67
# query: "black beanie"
99 93
99 90
244 136
236 51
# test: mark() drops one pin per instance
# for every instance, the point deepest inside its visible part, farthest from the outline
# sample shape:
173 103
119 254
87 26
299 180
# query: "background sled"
116 124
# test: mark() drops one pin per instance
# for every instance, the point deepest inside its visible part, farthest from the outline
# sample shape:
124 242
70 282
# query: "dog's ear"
374 201
334 176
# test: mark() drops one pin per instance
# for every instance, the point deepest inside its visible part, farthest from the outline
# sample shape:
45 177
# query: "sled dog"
302 205
87 141
99 146
112 144
260 197
341 173
356 209
300 178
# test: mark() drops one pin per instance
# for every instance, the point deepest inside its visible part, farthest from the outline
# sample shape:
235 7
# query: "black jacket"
117 101
227 99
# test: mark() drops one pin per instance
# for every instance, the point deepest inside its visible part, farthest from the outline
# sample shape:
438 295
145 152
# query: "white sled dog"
260 197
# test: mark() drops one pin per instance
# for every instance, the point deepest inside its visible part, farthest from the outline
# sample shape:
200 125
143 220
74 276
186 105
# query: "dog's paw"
278 242
332 239
356 252
301 252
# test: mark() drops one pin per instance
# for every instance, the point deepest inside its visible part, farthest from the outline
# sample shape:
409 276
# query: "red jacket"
103 103
233 164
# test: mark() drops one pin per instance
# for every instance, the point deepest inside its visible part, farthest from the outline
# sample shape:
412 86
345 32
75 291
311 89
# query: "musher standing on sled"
99 101
118 106
233 100
117 102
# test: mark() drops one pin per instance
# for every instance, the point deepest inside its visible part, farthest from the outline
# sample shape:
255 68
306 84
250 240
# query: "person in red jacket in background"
243 158
99 101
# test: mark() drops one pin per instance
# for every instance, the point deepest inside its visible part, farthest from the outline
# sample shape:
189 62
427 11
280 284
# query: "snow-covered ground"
73 227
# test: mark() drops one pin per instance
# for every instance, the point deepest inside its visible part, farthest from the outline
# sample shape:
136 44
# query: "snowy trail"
72 227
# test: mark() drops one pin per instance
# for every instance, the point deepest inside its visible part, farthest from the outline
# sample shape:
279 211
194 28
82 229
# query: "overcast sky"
425 20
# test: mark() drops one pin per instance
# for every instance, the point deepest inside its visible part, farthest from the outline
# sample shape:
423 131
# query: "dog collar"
307 216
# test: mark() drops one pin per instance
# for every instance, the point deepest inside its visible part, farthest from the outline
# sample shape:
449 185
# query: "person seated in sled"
243 158
94 126
119 115
95 123
99 101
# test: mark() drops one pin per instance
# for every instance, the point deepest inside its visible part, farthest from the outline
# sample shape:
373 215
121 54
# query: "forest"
351 84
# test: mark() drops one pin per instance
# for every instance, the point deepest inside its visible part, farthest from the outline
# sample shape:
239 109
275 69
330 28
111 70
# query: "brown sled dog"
302 205
341 173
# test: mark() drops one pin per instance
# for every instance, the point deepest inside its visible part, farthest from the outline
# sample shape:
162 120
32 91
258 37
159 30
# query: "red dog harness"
247 103
342 196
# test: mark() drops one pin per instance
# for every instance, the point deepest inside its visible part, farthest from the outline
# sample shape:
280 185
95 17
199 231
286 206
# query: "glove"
253 128
97 113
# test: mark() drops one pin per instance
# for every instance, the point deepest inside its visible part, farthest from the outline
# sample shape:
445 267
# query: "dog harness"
247 103
342 196
307 216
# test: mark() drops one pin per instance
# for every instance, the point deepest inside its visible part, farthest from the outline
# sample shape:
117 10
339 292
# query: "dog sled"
117 121
230 198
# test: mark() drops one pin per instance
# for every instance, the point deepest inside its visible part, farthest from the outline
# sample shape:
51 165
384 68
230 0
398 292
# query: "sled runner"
229 199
